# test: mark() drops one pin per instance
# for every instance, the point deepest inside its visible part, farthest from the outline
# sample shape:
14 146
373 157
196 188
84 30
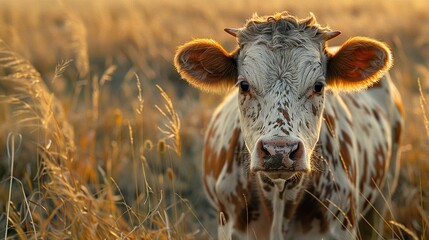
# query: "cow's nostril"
265 150
296 152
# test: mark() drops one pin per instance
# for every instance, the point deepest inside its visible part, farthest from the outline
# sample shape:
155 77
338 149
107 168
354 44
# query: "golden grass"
111 137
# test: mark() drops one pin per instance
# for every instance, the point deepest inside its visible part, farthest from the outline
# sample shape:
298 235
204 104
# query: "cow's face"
281 99
282 70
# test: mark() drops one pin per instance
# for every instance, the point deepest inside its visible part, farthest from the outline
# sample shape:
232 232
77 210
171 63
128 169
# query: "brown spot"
214 162
330 123
345 155
267 184
350 218
328 145
289 210
315 110
210 162
293 182
376 113
280 122
310 209
355 103
307 124
366 110
380 166
232 149
285 114
359 147
345 136
246 205
284 130
365 171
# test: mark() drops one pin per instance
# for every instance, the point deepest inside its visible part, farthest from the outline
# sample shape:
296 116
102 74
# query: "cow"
305 144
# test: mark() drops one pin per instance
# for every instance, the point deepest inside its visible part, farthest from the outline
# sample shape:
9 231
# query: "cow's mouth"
282 180
282 174
279 168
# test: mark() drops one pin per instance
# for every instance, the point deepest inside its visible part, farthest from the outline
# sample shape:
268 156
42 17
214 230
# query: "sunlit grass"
71 194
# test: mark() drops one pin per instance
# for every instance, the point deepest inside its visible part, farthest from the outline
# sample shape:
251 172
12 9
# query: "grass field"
100 138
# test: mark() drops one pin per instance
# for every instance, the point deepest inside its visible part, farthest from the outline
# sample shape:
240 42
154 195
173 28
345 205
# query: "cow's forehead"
265 66
281 47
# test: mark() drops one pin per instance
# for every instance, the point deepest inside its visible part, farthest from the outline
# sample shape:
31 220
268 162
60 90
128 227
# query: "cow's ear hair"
359 63
207 65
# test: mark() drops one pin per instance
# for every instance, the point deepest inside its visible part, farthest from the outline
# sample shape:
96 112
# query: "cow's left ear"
359 63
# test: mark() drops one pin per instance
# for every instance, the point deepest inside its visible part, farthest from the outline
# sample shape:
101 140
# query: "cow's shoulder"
222 139
223 131
227 179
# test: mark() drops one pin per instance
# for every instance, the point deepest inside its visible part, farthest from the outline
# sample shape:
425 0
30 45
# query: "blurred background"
100 137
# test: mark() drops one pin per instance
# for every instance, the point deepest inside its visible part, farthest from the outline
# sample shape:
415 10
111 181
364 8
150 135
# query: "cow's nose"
281 153
292 149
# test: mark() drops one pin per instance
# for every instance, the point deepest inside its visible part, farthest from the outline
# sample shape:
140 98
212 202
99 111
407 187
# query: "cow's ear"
359 63
207 65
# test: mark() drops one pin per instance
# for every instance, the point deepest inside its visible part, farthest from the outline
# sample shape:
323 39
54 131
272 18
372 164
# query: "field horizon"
100 138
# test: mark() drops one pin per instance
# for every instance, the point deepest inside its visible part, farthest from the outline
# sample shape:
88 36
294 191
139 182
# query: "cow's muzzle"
280 154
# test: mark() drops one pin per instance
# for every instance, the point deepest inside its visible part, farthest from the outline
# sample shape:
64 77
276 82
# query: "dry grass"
110 133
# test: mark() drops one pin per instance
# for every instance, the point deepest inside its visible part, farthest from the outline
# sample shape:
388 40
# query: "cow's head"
282 69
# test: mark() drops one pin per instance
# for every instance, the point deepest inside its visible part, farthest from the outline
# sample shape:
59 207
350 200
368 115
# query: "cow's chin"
281 175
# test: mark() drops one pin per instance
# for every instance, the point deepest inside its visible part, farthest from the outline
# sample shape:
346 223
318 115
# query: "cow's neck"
281 198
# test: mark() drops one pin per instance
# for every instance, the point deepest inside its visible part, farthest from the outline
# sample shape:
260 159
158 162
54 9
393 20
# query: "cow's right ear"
207 65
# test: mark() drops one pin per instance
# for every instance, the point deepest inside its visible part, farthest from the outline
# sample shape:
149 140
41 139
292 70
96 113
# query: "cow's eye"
244 86
318 87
